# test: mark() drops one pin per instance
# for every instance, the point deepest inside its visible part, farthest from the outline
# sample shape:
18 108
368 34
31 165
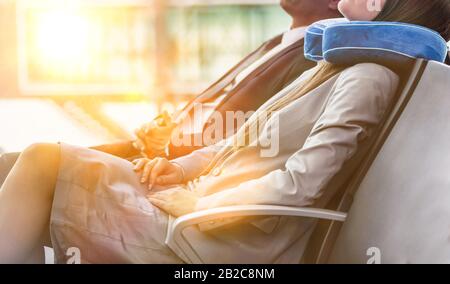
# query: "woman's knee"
42 153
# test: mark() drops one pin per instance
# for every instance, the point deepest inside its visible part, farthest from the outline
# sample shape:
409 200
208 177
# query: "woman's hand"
175 202
158 171
152 138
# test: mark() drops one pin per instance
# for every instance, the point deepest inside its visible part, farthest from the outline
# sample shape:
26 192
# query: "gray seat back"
326 232
402 206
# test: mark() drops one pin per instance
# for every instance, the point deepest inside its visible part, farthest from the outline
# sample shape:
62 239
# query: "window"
111 47
90 47
205 41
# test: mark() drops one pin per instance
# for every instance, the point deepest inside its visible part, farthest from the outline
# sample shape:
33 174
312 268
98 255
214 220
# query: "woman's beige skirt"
100 211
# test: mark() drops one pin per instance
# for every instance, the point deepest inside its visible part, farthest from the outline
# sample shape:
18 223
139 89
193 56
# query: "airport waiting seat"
399 199
402 205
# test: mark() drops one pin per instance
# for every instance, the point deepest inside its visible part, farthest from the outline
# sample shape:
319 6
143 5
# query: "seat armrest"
178 242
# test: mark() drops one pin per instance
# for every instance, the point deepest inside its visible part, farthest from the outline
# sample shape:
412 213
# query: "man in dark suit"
244 88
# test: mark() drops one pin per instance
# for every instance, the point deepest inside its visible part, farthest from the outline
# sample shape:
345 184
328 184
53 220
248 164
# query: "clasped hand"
152 138
175 201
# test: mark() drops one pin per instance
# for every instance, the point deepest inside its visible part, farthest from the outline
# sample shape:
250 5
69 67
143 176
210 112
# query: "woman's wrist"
182 172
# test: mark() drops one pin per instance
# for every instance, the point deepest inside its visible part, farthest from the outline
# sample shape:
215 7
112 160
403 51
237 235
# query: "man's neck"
303 22
297 24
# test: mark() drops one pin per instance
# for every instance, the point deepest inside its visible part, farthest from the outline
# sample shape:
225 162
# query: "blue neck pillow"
340 41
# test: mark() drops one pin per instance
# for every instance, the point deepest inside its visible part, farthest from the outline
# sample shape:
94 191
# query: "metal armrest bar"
178 242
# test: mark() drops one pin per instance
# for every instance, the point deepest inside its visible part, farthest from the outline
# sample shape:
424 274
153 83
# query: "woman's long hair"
433 14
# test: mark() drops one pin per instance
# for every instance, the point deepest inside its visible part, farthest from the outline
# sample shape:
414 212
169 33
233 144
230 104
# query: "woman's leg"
7 162
25 202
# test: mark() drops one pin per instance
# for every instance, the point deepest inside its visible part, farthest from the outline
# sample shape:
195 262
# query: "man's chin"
288 5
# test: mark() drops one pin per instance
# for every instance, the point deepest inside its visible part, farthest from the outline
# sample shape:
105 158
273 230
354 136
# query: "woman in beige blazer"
102 206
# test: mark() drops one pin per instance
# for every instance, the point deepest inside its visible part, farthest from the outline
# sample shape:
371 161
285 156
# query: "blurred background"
89 72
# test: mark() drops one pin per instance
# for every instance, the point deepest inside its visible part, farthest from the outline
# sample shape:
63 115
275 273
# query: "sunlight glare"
62 37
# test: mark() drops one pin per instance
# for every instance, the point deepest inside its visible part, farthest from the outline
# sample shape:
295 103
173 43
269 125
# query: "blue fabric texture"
350 43
314 36
313 45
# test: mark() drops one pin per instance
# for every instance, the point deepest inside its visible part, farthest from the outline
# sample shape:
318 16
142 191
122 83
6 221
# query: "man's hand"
158 171
153 137
175 202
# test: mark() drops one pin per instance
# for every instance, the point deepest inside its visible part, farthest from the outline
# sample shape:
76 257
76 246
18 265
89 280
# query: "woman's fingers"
157 171
147 170
139 164
139 144
161 198
165 196
161 195
151 169
159 168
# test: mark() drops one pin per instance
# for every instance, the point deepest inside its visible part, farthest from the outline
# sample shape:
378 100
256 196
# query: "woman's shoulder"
369 76
371 71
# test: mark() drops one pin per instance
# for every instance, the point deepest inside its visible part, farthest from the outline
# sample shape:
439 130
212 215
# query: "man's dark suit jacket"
263 83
